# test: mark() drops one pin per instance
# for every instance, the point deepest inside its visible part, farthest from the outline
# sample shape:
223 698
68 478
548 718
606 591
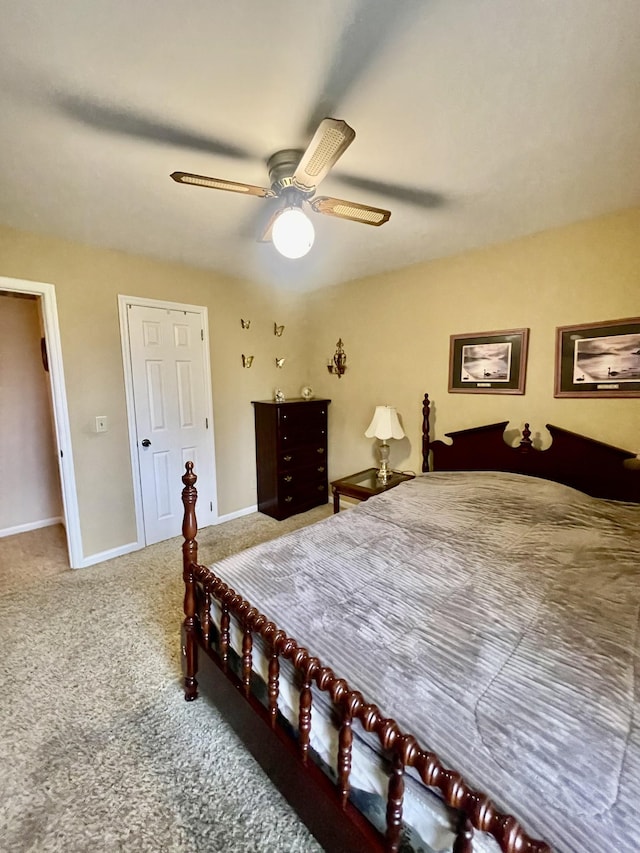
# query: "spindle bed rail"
582 462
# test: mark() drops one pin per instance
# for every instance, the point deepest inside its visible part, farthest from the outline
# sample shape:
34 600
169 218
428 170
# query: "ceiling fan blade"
330 141
368 31
350 210
128 123
219 184
428 199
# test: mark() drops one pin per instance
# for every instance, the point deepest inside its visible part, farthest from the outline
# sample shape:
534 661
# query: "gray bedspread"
495 617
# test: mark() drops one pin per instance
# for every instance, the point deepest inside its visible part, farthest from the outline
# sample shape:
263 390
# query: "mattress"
493 616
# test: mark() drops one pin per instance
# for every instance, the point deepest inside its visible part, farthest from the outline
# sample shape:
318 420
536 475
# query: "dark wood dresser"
291 455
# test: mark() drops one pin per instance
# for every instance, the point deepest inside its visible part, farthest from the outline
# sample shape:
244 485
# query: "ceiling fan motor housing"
282 166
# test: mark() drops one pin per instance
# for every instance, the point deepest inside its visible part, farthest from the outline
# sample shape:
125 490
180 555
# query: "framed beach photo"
598 359
488 362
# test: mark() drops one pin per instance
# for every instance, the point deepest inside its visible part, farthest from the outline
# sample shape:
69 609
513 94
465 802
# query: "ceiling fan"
295 176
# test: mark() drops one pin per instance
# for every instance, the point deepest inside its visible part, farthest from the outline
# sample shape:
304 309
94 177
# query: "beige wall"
87 282
395 327
396 330
30 492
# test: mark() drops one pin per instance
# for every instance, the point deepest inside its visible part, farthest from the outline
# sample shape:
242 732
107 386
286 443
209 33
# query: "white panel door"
170 399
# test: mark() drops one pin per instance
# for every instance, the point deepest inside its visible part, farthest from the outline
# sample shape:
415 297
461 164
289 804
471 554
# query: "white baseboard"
136 546
32 525
92 559
249 509
237 514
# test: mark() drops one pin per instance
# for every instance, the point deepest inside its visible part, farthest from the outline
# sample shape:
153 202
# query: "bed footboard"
202 586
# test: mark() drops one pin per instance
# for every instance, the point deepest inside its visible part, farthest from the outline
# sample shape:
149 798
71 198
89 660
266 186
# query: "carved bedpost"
304 712
189 559
395 798
425 433
345 745
526 444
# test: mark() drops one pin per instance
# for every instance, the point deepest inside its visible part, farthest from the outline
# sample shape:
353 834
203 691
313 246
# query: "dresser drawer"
303 495
295 436
295 477
303 417
303 457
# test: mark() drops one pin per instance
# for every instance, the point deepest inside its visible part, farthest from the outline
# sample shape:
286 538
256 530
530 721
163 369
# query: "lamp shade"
385 424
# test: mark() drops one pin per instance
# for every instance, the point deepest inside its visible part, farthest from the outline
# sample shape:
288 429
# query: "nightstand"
364 484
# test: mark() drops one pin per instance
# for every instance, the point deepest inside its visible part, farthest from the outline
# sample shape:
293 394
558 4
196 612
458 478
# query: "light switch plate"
101 423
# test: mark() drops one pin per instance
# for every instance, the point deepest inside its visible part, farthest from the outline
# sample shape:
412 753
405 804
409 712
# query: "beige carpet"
31 556
98 749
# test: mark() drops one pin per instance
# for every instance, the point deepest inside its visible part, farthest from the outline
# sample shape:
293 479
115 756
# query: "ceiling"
476 121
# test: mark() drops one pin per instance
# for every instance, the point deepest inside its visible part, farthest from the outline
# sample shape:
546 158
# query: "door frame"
47 296
202 310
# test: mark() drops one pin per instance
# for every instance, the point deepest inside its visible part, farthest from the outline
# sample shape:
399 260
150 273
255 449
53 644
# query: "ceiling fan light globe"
293 233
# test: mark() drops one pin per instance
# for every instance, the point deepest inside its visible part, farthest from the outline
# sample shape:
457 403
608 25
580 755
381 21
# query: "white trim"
237 514
71 512
123 301
131 421
120 551
250 509
134 546
30 525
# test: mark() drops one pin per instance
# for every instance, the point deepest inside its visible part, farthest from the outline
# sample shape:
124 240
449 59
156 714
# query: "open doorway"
38 486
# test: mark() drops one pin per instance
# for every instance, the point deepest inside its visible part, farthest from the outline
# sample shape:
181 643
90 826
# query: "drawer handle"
288 499
288 458
288 478
320 488
320 450
320 469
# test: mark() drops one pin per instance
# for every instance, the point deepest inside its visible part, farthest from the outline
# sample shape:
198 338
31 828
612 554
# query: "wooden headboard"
591 466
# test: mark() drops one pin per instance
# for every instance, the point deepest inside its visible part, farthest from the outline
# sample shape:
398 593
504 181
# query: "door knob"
145 442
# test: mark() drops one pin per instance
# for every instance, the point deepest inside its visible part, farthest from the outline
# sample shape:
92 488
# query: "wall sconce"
279 362
338 364
245 323
247 360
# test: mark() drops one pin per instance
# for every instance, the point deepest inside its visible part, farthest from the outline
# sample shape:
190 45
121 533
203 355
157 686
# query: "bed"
463 646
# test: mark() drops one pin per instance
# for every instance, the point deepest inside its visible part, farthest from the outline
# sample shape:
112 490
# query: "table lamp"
384 425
